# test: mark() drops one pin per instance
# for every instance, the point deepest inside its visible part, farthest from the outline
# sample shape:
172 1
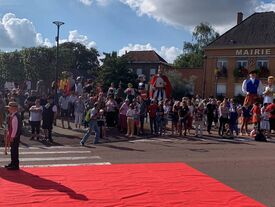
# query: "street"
243 164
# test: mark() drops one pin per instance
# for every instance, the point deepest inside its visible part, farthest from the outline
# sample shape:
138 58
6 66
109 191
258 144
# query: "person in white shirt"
64 107
130 120
269 90
35 119
13 135
72 100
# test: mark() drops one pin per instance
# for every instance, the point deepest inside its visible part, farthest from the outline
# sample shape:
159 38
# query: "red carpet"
130 185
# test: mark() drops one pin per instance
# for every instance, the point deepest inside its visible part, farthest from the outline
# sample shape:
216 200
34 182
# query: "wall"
232 55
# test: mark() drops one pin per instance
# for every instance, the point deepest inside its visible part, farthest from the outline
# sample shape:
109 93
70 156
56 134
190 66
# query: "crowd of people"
90 107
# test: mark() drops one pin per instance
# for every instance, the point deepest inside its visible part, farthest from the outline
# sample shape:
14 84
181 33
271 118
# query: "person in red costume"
160 86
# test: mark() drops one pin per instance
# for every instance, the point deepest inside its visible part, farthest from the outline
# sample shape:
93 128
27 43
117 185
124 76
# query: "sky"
118 25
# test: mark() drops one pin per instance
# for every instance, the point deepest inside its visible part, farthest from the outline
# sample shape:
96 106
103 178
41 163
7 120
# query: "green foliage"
115 69
78 59
38 63
180 87
192 55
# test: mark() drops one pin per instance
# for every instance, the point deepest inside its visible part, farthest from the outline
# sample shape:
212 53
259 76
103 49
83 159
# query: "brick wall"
212 56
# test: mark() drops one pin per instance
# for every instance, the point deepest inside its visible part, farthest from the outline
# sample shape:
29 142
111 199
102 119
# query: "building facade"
250 45
145 62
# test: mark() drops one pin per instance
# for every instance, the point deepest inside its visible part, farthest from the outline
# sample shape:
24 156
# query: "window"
221 89
152 71
139 71
262 64
221 68
238 89
242 64
241 69
222 63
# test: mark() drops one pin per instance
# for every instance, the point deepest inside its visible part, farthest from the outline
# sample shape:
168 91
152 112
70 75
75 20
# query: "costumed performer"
252 88
160 86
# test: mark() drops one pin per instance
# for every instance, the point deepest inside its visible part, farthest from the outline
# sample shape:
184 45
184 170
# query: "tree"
78 59
11 67
115 69
180 87
39 63
192 55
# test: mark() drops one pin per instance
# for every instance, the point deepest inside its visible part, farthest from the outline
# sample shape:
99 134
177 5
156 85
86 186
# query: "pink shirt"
123 109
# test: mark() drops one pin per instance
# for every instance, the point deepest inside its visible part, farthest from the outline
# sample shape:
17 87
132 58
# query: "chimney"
239 17
126 52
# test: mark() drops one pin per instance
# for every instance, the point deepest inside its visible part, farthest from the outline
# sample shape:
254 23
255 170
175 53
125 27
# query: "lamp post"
58 24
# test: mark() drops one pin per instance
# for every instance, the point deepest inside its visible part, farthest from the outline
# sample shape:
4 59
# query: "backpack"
260 137
88 116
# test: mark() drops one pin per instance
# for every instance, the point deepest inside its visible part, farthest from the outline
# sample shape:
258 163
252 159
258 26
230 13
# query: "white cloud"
262 7
168 53
189 13
16 33
86 2
99 2
74 36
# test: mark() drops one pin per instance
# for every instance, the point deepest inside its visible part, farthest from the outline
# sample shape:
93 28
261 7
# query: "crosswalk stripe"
48 148
66 165
51 152
52 158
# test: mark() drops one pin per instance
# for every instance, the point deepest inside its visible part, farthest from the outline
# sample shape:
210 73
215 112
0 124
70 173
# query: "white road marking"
66 165
51 158
153 140
51 152
48 148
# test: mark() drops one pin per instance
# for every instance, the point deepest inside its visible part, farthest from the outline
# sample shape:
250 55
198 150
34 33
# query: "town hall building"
250 45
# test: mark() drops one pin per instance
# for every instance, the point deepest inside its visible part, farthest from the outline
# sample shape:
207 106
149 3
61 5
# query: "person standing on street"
13 135
94 112
48 116
64 107
35 119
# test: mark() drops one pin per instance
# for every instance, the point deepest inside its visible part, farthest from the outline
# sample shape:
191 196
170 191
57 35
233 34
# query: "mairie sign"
248 52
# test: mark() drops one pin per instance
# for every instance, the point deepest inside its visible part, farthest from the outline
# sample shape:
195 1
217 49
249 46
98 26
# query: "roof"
257 30
148 56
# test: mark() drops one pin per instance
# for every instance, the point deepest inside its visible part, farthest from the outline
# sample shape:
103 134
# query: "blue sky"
118 25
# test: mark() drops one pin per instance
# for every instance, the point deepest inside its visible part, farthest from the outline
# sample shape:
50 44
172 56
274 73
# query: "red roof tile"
149 56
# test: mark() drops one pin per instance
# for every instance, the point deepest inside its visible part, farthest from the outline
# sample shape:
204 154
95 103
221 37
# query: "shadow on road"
34 181
121 148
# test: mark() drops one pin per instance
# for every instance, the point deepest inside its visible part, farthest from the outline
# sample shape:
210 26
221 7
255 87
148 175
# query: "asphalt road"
243 164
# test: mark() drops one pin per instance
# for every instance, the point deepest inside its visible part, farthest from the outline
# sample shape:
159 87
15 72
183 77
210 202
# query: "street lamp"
58 24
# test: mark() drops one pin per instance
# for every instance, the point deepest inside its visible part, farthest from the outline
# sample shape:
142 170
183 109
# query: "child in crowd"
137 118
245 114
160 118
167 111
175 117
199 122
233 119
265 125
256 115
227 132
101 124
183 117
253 132
130 120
